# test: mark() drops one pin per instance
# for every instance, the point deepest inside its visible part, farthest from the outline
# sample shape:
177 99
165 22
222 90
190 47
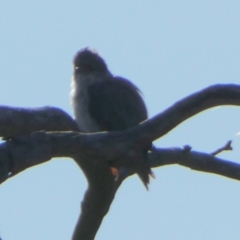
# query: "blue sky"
167 48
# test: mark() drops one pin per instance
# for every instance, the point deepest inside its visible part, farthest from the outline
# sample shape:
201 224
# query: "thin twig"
226 147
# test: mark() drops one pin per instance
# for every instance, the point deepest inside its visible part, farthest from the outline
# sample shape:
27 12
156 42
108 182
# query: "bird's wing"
116 104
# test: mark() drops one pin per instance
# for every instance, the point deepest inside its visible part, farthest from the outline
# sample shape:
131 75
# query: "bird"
102 101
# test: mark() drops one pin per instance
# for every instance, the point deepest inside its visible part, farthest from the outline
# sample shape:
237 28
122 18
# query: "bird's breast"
80 102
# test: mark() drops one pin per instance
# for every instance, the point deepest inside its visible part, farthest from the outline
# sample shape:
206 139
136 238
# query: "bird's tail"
144 171
140 166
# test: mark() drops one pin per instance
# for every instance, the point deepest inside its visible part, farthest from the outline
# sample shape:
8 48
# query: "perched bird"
104 102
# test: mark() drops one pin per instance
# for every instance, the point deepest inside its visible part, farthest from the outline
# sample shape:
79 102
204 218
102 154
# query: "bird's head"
88 61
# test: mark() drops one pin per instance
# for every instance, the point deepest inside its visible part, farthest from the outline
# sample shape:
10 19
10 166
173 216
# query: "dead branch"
196 161
93 151
17 121
216 95
226 147
40 147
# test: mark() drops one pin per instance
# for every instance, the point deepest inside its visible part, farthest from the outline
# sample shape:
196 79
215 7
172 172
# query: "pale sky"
169 49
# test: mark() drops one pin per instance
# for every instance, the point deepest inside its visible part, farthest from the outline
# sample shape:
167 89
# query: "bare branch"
195 160
97 148
27 151
40 147
22 153
93 151
216 95
89 152
17 121
226 147
97 199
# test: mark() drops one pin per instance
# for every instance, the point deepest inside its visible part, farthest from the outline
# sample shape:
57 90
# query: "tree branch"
93 151
196 161
40 147
17 121
226 147
216 95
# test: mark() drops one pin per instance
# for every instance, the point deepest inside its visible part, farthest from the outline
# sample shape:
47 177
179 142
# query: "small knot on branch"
186 149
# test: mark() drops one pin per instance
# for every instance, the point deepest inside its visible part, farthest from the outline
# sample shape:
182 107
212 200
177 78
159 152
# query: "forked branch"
93 151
